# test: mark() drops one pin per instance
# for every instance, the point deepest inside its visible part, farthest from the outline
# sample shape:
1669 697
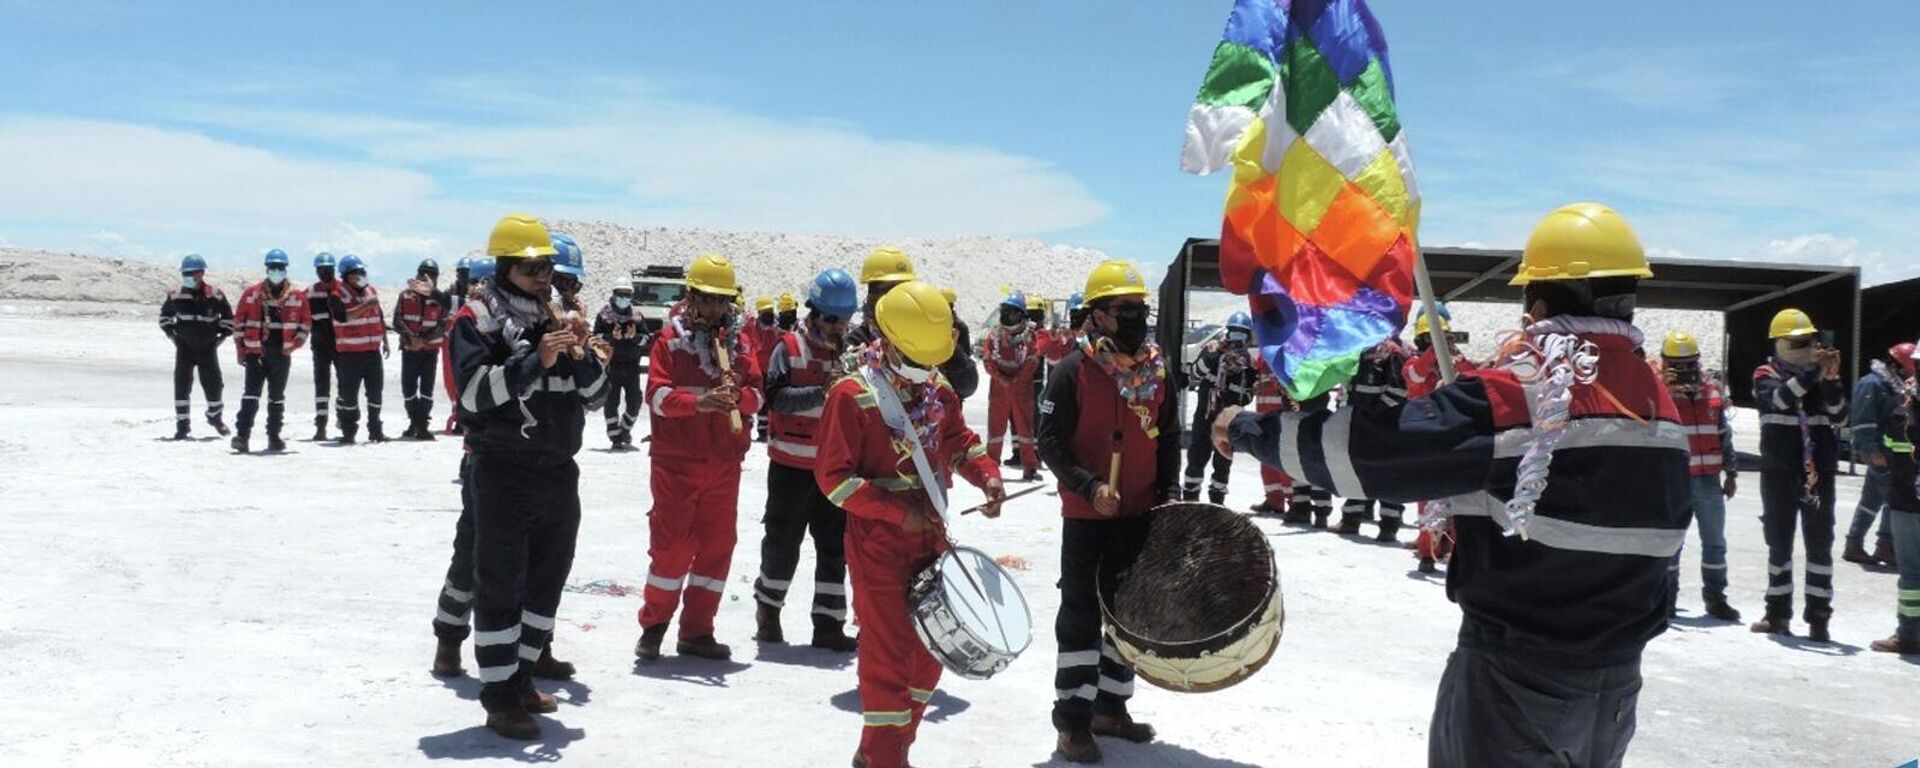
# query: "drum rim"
1252 618
1007 576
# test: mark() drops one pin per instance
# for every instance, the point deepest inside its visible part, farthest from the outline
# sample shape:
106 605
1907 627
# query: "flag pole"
1436 331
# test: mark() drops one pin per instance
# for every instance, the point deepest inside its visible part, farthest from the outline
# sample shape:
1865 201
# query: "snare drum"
1198 608
970 614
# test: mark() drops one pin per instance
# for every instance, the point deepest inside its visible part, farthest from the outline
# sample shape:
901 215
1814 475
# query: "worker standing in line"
1012 360
1378 385
764 332
789 307
271 323
1801 398
1703 412
803 365
360 343
421 316
1222 376
1874 396
894 530
885 268
197 319
700 405
319 310
626 333
1898 435
477 271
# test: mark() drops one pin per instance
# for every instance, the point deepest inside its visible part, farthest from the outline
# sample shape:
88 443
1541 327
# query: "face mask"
276 276
622 302
1801 355
189 281
766 318
357 281
1132 330
325 273
1011 320
787 319
1238 338
911 372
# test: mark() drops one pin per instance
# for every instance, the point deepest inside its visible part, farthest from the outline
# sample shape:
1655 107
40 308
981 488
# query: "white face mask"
622 302
276 276
189 281
1802 356
358 281
911 372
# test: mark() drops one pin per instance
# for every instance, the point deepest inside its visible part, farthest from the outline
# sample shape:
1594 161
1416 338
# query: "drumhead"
985 601
1201 582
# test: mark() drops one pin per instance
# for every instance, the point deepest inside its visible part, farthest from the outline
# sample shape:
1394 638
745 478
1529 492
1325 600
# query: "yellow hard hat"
1034 301
788 303
520 236
887 264
712 273
763 304
1116 277
1422 326
947 292
1791 324
1582 241
1679 344
916 320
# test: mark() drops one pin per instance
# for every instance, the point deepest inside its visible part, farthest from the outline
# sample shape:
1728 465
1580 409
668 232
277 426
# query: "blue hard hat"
1240 320
1015 300
428 265
480 269
466 263
569 260
833 292
276 258
350 264
193 263
323 260
1074 301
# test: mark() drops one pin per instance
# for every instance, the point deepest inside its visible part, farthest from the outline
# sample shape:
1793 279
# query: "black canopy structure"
1746 293
1889 315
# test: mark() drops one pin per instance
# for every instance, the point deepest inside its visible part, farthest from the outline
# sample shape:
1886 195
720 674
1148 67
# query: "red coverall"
1268 396
1422 375
1012 359
861 470
695 479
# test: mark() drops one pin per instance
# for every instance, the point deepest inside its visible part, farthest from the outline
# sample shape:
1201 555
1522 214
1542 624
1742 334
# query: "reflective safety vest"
420 317
262 316
793 439
364 327
1700 415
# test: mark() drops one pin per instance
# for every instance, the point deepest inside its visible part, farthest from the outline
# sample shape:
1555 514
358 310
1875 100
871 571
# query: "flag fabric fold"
1320 222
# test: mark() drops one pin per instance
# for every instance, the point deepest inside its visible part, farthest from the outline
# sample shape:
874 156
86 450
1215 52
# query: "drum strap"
895 415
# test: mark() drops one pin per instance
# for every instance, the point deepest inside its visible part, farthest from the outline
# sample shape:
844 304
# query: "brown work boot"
832 636
704 647
1773 626
766 620
1893 645
549 668
1077 746
535 701
1856 553
1427 565
1817 631
1122 726
1883 553
514 724
446 660
648 649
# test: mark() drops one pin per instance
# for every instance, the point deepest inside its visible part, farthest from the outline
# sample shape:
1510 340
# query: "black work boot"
766 620
1298 514
1855 552
831 635
239 444
648 649
374 435
704 647
182 430
1320 519
1349 525
219 426
1772 626
1218 498
275 445
1389 531
347 434
1883 553
319 430
1718 608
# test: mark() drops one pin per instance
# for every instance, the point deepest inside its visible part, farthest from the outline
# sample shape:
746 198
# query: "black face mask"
1077 318
787 320
1012 317
766 318
1132 330
324 273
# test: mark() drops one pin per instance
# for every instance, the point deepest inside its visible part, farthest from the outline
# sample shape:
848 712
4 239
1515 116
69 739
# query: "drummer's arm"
1059 417
970 460
835 471
1432 447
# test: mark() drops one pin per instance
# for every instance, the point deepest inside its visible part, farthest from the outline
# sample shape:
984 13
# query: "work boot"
1427 565
1218 498
1719 609
374 435
648 648
1298 515
1817 631
534 701
704 647
320 432
831 635
239 443
1077 746
182 431
1856 553
1893 645
1320 520
1773 626
275 445
514 724
1122 726
1262 508
1349 525
1883 553
549 668
347 434
1389 532
1012 461
766 620
1030 476
219 426
446 660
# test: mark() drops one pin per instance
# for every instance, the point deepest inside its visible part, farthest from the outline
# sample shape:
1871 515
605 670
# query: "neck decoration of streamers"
1321 217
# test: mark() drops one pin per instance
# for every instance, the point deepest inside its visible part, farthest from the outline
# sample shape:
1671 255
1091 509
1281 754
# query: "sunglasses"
533 267
1130 311
830 319
1800 343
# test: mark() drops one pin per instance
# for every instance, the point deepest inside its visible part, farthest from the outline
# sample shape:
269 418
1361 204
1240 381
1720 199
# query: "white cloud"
116 244
1820 247
1659 252
371 245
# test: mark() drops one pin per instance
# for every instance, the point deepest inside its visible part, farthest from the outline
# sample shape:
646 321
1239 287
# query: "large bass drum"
1198 608
970 614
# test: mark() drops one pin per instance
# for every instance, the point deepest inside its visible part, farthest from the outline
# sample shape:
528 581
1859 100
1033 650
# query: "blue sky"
1739 130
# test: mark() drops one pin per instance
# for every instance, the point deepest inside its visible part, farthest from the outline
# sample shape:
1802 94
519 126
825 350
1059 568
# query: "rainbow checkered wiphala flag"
1320 223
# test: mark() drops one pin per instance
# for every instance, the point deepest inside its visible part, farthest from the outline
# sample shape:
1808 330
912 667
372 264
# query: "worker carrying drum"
1012 359
626 333
1561 587
803 364
703 388
1702 405
893 530
1801 398
197 318
1110 431
271 324
1222 376
420 317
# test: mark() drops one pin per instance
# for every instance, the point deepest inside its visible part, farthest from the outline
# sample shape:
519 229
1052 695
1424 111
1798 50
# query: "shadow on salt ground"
1824 649
1699 622
1437 577
571 692
803 656
700 671
467 688
207 439
1122 754
942 706
478 743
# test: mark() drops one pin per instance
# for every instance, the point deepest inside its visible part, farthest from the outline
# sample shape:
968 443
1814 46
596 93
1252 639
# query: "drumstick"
726 371
1004 499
